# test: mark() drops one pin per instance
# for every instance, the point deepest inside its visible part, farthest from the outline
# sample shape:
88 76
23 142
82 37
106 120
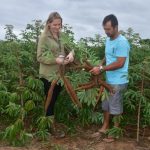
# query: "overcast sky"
85 16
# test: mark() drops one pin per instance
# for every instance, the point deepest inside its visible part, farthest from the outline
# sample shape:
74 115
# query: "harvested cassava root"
71 92
99 95
107 86
85 86
50 94
95 82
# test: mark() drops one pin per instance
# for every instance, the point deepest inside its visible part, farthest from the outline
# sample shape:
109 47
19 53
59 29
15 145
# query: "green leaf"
29 105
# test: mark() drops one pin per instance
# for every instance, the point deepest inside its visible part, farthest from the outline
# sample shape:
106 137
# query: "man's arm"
113 66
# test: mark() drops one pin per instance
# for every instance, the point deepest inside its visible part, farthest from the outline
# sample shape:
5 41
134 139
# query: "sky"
84 16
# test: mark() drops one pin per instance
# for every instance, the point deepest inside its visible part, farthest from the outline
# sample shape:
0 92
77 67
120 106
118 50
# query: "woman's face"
55 26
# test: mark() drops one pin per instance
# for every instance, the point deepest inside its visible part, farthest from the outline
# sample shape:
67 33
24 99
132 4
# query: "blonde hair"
52 16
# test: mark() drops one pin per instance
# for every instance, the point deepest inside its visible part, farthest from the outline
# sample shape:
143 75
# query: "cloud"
84 16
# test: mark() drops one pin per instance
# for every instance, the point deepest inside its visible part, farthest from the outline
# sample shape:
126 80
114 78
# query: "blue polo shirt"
118 47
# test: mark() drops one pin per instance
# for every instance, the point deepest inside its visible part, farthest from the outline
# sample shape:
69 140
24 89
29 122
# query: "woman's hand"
59 61
66 62
69 58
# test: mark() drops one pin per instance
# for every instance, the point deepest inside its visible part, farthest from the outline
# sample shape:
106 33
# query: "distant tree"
134 38
10 36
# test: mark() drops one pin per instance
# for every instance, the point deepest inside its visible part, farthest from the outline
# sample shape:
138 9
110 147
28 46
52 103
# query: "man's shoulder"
123 42
122 38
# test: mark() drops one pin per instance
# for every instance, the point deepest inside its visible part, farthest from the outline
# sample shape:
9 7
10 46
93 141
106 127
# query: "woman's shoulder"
43 38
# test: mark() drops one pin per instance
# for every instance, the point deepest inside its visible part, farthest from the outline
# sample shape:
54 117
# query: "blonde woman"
50 54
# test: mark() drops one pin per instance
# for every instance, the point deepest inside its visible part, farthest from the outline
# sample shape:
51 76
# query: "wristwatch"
101 69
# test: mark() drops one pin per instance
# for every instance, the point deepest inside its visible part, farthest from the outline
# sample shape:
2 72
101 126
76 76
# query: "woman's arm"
43 53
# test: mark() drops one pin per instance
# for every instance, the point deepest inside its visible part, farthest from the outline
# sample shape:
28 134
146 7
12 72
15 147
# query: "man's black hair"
112 18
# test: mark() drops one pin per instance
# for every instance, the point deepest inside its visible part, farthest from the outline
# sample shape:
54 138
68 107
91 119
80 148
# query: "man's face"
110 30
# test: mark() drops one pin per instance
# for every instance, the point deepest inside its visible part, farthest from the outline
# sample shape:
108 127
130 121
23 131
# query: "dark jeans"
56 92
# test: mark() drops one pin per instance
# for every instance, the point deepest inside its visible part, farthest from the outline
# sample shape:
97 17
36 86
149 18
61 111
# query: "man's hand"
95 70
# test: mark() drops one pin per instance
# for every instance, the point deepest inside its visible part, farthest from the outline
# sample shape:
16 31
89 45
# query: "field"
22 118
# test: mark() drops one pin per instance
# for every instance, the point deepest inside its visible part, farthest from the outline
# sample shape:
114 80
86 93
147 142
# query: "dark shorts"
114 103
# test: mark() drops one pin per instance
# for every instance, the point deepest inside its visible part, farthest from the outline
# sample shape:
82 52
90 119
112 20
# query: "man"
117 60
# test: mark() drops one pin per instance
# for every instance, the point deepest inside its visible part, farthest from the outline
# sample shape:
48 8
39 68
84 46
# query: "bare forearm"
113 66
